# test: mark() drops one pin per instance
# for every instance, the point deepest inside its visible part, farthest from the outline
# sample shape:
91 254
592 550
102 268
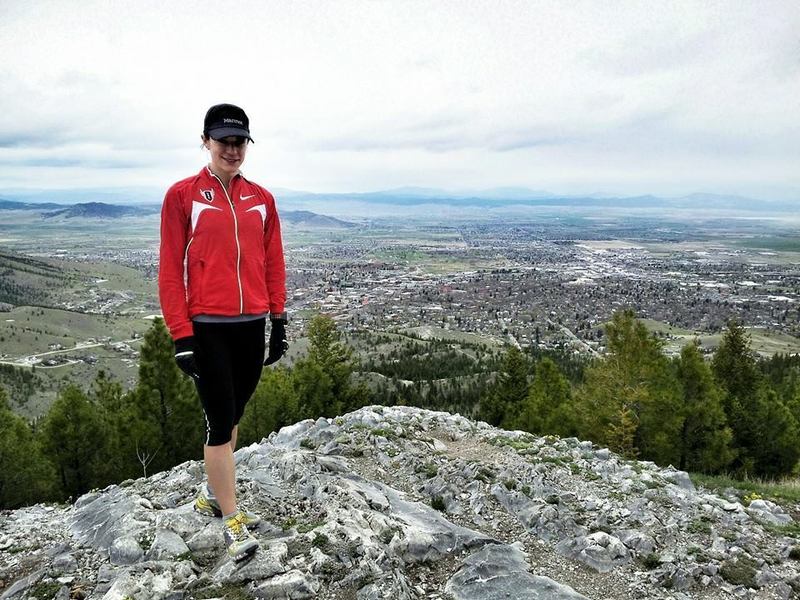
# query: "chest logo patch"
208 195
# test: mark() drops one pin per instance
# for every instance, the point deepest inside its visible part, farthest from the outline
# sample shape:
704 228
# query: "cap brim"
223 132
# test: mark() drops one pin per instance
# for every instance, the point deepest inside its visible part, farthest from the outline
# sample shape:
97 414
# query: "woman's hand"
277 341
184 356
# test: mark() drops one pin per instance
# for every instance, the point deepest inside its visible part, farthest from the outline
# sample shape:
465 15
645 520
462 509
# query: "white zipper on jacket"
186 259
238 247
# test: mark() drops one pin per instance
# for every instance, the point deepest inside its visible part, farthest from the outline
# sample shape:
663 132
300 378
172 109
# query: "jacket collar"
206 172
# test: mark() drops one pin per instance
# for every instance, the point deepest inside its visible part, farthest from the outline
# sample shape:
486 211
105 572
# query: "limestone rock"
500 571
410 504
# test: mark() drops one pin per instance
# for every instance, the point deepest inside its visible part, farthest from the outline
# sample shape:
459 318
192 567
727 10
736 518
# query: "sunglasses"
236 142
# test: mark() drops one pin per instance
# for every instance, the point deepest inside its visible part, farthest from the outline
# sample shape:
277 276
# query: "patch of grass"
794 553
697 552
787 490
651 561
306 527
308 444
45 591
739 571
553 460
701 525
288 523
517 444
387 534
429 469
591 475
185 556
485 474
145 542
790 529
510 484
383 432
321 541
437 503
729 536
526 489
297 545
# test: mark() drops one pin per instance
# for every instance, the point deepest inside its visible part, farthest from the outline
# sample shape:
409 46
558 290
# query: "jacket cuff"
281 316
184 329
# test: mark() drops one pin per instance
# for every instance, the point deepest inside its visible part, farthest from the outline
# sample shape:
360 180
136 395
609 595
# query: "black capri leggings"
229 360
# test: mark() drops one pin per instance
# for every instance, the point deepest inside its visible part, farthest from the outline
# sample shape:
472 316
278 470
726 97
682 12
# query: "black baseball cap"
223 120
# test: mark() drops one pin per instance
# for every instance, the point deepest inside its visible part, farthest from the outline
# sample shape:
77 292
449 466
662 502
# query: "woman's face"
227 154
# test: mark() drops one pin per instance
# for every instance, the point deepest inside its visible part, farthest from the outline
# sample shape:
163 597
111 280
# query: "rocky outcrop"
406 503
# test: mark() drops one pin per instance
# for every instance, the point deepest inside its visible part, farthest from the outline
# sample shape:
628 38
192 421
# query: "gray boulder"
599 550
499 572
125 550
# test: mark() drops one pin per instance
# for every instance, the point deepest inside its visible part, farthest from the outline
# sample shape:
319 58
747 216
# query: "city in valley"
78 293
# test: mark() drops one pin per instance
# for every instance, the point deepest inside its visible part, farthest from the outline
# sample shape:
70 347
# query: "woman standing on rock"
221 274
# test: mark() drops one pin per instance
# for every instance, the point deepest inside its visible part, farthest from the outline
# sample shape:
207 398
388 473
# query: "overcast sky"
570 97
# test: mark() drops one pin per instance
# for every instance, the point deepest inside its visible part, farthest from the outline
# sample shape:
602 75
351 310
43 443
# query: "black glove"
277 341
184 356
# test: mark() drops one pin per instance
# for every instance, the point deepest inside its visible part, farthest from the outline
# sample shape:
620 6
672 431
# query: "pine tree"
108 396
26 476
549 408
705 436
168 422
734 366
314 390
274 404
633 384
505 401
621 433
735 370
75 437
777 449
335 361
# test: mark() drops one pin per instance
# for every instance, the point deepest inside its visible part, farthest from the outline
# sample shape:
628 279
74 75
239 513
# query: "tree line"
92 438
736 413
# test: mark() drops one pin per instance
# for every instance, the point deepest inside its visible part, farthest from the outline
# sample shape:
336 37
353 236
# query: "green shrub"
739 571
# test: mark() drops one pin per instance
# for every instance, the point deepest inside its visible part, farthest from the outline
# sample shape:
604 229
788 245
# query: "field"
763 342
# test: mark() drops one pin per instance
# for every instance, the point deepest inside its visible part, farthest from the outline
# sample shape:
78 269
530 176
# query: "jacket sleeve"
274 261
171 283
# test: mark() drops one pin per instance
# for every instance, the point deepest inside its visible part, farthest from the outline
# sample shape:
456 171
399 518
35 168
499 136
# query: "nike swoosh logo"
246 197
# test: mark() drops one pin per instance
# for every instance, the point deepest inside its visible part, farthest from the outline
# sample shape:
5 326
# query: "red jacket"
229 244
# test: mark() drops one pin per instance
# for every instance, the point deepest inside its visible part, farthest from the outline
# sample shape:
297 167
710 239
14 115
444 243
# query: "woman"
223 232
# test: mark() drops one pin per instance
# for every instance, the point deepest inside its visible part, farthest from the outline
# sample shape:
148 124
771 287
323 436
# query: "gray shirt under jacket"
223 319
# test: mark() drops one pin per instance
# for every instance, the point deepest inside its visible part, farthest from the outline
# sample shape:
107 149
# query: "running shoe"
239 541
206 504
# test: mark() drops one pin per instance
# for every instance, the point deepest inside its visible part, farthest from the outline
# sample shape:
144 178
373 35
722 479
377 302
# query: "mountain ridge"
408 503
412 196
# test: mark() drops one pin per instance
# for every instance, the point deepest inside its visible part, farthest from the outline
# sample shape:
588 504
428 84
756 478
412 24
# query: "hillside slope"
407 503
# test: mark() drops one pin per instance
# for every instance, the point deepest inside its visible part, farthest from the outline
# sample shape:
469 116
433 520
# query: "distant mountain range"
147 198
98 210
101 210
501 197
